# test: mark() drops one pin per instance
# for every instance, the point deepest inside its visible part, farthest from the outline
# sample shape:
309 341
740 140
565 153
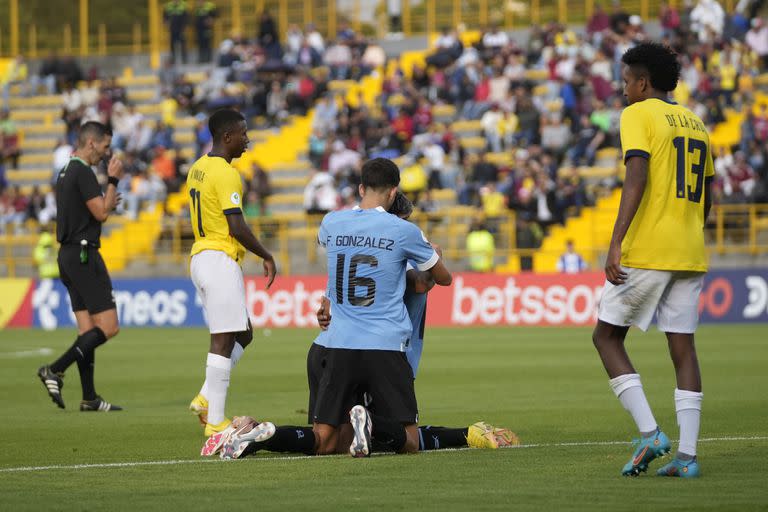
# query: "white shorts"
219 281
672 295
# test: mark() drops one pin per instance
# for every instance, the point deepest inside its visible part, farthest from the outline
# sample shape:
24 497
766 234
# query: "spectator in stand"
61 155
320 194
495 39
47 75
45 256
203 139
277 105
707 20
669 19
164 167
555 136
757 40
491 123
338 57
16 74
176 17
162 135
259 189
205 15
570 192
588 140
308 56
10 147
267 29
294 38
741 180
480 247
571 262
598 23
315 39
619 18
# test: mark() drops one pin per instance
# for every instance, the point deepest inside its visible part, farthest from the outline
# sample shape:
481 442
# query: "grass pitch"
545 384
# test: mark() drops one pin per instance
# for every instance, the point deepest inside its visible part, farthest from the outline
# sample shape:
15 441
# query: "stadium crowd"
535 133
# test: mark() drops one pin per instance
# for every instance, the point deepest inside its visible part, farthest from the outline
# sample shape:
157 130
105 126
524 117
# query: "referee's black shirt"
75 186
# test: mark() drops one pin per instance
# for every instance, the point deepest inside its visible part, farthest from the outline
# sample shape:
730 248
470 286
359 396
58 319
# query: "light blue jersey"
367 253
416 304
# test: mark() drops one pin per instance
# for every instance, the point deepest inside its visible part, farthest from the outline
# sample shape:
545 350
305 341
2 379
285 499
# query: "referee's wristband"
113 181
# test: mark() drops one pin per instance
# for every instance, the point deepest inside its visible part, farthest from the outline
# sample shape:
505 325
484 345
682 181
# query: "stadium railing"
98 27
732 229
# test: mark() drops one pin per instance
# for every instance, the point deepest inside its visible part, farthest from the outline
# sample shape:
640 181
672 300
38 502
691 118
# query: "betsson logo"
282 308
527 305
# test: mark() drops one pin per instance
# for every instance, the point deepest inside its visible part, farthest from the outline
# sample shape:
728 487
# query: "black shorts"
383 374
315 368
88 284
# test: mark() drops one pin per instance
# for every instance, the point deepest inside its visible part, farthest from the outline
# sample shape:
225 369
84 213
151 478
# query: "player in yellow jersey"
221 239
656 261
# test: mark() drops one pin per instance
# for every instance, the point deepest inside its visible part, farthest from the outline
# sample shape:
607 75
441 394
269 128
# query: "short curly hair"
660 61
402 206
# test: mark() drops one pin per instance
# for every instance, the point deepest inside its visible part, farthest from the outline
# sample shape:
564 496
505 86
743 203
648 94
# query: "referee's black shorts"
384 374
88 284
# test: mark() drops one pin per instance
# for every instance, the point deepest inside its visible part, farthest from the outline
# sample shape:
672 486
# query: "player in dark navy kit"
81 210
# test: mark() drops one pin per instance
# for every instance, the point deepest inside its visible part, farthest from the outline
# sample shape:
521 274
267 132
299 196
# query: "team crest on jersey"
235 198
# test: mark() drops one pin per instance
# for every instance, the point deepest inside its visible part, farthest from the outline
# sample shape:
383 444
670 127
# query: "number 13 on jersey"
695 188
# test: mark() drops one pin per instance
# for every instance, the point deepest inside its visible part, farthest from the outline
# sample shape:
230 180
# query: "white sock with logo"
688 407
217 372
237 353
629 391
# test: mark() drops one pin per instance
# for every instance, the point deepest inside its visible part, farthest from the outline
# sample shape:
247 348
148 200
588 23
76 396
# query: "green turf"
546 384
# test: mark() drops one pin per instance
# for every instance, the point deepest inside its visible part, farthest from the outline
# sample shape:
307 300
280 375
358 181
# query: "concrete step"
139 96
56 128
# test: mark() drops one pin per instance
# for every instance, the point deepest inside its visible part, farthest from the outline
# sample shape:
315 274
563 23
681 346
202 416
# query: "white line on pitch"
108 465
45 351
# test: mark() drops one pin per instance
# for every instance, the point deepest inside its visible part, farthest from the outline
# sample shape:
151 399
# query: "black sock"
82 352
435 438
388 433
67 358
290 439
85 366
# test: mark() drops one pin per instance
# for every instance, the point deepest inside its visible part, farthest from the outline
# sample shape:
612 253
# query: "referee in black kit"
81 209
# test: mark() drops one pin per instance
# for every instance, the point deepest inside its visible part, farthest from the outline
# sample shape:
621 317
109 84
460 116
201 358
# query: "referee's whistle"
83 251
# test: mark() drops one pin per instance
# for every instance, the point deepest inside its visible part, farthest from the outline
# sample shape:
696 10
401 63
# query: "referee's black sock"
435 438
85 367
388 432
83 345
290 439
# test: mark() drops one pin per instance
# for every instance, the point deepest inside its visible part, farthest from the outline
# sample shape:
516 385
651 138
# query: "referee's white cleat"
362 425
53 384
98 404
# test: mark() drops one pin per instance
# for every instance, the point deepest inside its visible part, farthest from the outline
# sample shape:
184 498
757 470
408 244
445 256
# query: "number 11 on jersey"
194 195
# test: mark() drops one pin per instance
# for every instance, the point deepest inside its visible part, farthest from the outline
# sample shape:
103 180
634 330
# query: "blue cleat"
648 449
680 468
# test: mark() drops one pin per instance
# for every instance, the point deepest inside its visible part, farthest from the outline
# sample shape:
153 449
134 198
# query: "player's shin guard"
389 433
688 407
629 391
217 373
234 357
